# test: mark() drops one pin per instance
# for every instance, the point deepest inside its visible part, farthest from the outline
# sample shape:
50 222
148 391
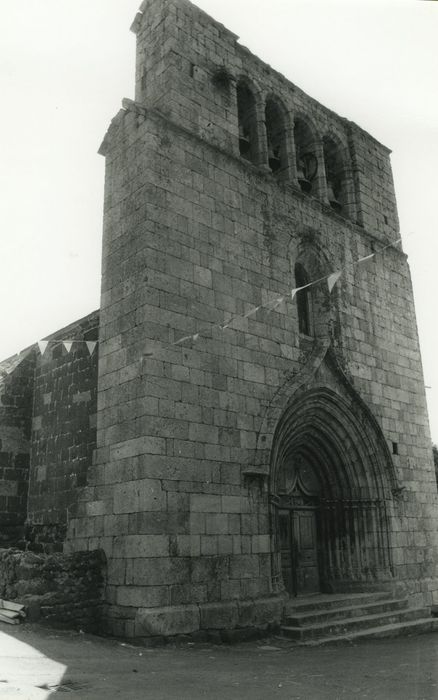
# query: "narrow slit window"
303 300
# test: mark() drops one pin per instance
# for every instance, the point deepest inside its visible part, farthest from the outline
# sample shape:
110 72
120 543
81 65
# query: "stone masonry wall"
195 235
179 49
63 432
16 394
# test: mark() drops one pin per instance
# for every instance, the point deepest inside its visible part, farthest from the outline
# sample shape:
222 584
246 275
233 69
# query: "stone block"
219 615
260 544
138 546
166 621
145 444
205 503
116 571
261 611
200 432
209 545
96 508
225 544
139 495
8 488
244 566
231 504
142 596
185 545
216 523
197 523
157 571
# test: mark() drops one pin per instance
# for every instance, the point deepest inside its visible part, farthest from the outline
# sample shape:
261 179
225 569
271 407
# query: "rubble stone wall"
57 589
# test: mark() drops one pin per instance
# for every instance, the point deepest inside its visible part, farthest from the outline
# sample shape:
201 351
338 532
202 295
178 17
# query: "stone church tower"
282 447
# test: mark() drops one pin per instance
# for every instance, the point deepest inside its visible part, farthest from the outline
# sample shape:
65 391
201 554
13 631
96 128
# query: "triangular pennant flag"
67 344
42 344
298 289
274 303
228 323
91 344
195 337
367 257
389 245
251 311
181 340
332 279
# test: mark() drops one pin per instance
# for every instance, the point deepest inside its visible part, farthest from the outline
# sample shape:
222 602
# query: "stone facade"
221 177
275 451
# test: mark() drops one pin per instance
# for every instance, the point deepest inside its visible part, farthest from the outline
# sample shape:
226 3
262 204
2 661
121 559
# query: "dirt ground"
36 662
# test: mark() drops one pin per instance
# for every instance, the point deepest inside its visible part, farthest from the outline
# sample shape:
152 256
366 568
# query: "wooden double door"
297 529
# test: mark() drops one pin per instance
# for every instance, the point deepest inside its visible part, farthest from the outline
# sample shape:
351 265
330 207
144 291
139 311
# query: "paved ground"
36 663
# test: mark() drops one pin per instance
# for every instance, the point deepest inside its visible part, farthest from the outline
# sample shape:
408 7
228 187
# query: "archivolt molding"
351 418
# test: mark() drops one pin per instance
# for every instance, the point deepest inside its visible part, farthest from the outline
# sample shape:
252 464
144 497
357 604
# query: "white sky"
65 67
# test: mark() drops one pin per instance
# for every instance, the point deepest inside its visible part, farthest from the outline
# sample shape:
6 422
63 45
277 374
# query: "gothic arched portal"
330 488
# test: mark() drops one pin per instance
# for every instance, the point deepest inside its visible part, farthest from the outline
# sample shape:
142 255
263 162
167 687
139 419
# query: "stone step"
420 626
330 601
354 624
301 619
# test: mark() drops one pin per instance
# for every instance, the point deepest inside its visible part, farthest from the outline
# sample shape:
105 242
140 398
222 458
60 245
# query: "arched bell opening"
306 157
276 137
336 175
329 493
247 120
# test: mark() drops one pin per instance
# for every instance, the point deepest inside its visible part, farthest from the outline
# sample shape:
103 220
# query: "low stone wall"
59 589
225 621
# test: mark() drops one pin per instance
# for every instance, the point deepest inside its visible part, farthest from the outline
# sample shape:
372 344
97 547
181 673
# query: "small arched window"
246 114
275 134
335 174
303 300
306 160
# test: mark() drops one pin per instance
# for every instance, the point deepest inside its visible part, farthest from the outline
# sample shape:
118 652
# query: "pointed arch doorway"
330 495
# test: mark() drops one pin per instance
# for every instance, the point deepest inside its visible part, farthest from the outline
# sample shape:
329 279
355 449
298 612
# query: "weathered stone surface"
259 612
196 235
219 392
166 621
223 615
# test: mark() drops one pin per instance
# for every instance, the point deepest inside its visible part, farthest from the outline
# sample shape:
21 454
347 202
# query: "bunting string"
67 344
270 306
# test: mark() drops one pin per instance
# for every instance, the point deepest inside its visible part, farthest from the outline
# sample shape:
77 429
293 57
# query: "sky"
64 69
